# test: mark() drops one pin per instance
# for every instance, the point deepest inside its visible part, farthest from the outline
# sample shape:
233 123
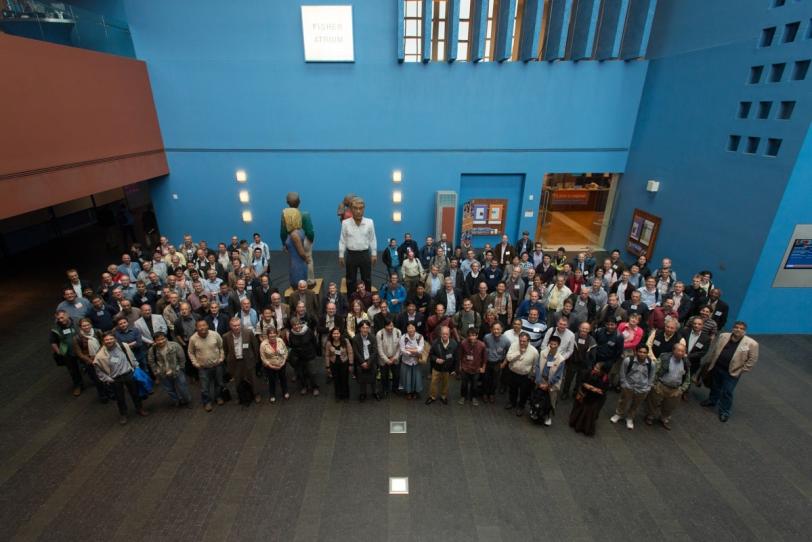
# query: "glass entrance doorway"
575 209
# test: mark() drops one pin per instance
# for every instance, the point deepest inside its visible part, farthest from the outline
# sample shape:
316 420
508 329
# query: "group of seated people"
509 318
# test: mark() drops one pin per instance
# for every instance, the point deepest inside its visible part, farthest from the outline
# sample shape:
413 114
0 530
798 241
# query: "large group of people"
537 327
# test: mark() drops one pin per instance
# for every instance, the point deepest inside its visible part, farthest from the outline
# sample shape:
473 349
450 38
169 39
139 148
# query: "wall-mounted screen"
795 270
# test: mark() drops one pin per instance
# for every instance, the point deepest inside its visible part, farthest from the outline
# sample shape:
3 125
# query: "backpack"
540 406
648 364
245 393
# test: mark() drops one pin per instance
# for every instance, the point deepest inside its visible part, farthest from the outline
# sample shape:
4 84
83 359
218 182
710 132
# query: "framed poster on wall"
484 217
643 233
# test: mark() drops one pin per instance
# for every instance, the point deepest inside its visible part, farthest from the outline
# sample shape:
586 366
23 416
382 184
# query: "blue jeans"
177 388
211 383
721 392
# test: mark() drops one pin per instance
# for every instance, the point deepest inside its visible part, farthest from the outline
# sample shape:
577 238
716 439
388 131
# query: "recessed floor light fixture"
397 427
398 485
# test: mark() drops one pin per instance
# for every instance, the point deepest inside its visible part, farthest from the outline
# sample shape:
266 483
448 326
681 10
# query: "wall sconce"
397 196
653 186
241 176
244 197
247 216
397 176
396 216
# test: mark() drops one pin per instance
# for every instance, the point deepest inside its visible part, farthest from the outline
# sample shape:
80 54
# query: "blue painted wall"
762 299
717 206
232 91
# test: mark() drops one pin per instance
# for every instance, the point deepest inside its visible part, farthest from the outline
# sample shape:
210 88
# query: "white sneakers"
548 421
629 423
614 419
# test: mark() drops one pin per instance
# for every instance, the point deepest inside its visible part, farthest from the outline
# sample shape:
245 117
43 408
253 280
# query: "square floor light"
397 427
398 486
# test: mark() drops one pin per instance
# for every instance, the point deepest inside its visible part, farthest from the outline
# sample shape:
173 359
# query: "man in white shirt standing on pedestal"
357 242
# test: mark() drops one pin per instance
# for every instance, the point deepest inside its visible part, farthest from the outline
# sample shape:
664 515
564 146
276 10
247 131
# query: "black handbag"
59 359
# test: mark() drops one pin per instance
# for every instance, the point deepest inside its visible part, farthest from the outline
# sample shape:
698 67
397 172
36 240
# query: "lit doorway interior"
575 209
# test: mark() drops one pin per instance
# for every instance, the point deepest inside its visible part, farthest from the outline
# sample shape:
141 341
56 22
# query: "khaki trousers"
439 379
628 403
662 401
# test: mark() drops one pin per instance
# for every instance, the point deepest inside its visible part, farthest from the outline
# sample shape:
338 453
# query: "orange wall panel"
73 121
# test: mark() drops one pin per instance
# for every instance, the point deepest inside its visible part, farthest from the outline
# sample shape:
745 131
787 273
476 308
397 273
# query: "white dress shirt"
357 236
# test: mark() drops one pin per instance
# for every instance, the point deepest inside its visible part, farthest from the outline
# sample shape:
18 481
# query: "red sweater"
472 357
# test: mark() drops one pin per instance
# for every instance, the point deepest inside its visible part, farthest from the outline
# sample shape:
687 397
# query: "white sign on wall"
327 33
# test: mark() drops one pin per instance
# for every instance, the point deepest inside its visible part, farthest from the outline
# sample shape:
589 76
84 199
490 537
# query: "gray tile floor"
313 469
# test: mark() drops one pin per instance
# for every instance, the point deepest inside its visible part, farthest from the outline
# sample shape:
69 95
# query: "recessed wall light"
396 216
244 197
247 216
241 176
397 196
397 176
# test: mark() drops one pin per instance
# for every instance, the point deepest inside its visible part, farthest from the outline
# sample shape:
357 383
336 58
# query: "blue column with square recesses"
558 29
452 13
638 29
611 29
479 20
531 29
585 29
504 30
427 5
399 25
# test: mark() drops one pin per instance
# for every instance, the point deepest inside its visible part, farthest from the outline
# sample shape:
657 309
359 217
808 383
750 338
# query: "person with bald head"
672 379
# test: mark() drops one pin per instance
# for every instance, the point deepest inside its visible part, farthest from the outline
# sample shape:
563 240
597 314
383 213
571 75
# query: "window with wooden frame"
412 30
518 17
464 32
439 20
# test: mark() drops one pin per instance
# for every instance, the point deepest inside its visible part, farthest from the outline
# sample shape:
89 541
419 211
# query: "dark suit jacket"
340 323
242 369
472 284
222 322
442 297
503 255
419 322
358 352
262 300
696 353
524 246
459 282
342 307
627 293
719 314
311 301
685 307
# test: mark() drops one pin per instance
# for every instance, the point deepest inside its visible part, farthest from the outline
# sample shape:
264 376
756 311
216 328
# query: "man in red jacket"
472 361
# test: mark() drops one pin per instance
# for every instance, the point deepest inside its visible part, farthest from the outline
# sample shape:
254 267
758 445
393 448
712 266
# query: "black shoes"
444 400
362 397
377 396
509 406
707 403
723 417
429 401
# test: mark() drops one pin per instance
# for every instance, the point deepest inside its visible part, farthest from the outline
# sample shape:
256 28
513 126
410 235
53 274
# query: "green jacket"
307 226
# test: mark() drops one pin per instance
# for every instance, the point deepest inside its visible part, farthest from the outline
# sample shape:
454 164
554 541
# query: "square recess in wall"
777 72
755 75
778 3
785 110
752 145
767 36
744 109
800 70
733 142
764 109
772 147
791 31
